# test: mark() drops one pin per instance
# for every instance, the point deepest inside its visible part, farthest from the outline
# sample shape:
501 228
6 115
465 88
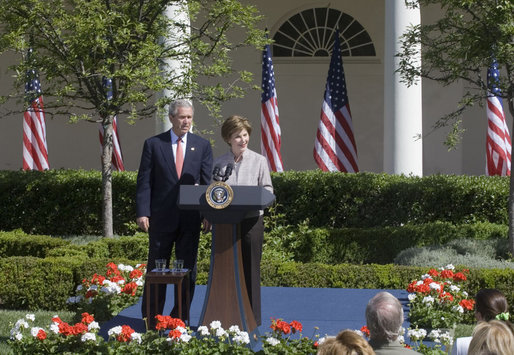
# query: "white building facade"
392 123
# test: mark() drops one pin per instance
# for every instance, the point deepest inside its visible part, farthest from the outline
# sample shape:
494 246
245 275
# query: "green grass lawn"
43 319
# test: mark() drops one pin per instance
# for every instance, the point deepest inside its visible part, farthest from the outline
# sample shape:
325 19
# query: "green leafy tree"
459 47
77 43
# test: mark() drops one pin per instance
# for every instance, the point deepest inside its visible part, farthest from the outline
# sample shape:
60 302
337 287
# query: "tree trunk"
107 177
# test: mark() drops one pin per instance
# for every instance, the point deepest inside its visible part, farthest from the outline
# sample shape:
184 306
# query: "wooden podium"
226 299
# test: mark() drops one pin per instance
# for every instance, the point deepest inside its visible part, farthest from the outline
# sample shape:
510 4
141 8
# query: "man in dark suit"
171 159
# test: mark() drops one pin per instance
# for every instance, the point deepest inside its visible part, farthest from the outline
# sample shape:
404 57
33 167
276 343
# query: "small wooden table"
168 277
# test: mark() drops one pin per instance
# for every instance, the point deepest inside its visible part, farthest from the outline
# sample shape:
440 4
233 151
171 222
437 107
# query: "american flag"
270 127
498 144
35 151
117 156
334 148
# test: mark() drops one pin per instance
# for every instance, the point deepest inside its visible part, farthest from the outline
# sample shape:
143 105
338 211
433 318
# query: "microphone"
228 171
216 173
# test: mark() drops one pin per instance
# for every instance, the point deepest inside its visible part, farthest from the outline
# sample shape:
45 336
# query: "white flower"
30 316
465 294
185 338
446 338
272 341
401 339
454 288
241 338
21 323
35 330
322 340
203 330
121 282
411 296
434 335
417 334
434 286
215 324
88 337
181 329
93 326
428 300
93 288
358 332
449 267
458 308
110 288
234 329
140 282
126 268
114 331
54 328
220 333
425 276
18 336
136 337
419 283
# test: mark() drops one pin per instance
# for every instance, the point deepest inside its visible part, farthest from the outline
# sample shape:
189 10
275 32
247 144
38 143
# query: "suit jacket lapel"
167 153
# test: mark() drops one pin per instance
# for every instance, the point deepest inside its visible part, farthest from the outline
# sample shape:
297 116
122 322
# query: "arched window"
310 33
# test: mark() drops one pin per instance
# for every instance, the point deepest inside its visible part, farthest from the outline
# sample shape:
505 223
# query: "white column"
403 146
175 13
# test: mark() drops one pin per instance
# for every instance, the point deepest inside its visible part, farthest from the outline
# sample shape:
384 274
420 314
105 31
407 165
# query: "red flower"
174 334
130 288
446 296
41 334
79 328
87 318
136 273
125 335
91 293
459 276
56 320
316 344
112 269
365 330
296 326
433 272
98 279
117 278
280 326
65 329
423 288
407 346
166 322
447 274
467 304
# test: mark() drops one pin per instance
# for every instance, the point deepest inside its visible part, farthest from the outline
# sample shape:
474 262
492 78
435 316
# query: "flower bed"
106 296
439 299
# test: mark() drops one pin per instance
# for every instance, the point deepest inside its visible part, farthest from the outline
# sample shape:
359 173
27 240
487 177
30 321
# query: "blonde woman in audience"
347 342
489 304
492 338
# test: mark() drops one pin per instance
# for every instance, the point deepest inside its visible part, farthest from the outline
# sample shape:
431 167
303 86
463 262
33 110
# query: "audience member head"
347 342
384 317
489 303
492 338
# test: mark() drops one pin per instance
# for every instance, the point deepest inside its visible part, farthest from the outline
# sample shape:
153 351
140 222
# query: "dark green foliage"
371 245
63 202
20 244
370 200
68 202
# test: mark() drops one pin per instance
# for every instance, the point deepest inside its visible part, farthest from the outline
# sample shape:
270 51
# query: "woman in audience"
495 337
347 342
489 304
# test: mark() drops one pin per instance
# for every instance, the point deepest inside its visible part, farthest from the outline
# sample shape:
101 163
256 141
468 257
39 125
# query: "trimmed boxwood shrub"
20 244
68 202
372 245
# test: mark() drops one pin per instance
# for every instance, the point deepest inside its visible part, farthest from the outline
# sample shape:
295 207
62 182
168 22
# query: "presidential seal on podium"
219 195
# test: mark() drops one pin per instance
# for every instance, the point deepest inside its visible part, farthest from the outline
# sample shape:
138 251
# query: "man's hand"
143 223
206 225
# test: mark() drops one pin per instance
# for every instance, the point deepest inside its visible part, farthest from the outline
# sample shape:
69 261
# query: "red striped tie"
179 159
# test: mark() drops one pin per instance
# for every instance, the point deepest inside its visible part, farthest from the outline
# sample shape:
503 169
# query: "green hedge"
68 202
46 283
17 243
372 245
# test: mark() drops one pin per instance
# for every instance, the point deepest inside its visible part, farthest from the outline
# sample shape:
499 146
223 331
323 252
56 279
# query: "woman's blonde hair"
235 124
347 342
492 338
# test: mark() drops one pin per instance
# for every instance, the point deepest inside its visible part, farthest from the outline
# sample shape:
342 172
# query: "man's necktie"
179 159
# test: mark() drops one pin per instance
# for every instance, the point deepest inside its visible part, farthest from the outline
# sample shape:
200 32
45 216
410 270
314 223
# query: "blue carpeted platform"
322 311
